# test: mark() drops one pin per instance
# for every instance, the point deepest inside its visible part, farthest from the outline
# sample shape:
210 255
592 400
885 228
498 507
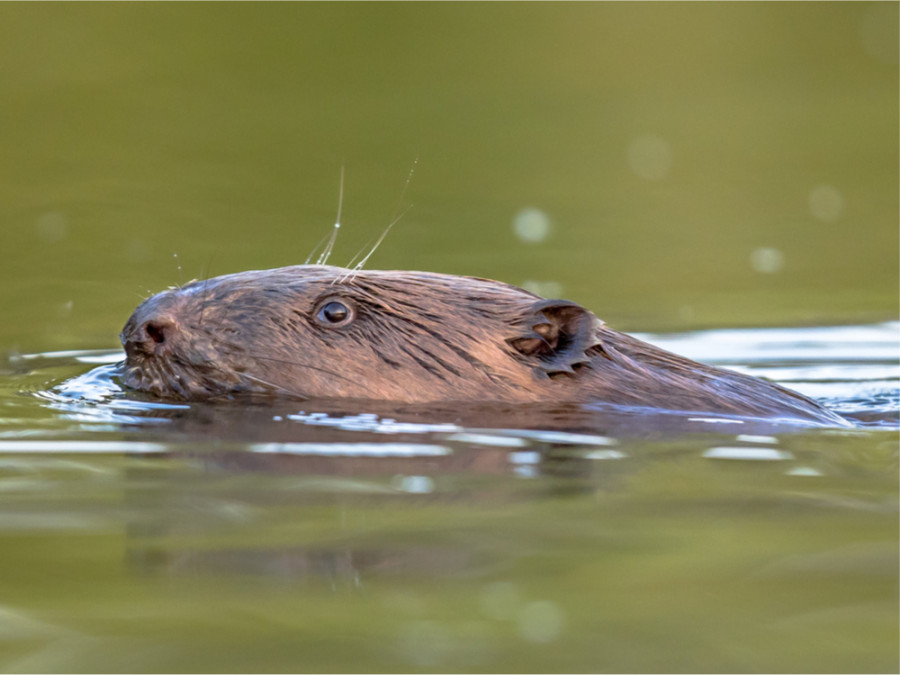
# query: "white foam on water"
746 453
84 447
353 449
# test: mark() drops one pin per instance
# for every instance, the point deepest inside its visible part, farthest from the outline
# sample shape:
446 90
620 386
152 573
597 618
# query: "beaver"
324 332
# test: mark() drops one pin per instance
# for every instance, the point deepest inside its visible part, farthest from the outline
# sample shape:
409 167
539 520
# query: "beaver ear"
557 335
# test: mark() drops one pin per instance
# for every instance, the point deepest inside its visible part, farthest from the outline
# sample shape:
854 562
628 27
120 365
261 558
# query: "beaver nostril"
156 332
154 336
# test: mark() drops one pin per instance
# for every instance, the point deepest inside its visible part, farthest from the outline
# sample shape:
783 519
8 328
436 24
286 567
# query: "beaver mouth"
170 378
166 378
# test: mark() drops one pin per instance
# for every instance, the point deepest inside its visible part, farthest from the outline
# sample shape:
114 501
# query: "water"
297 536
674 167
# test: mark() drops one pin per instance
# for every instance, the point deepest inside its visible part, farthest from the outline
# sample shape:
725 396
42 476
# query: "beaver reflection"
315 331
204 513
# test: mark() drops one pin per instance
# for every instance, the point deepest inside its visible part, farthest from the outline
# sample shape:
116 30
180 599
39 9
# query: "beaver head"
315 331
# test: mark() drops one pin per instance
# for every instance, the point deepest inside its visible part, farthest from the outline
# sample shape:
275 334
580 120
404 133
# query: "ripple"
745 453
352 449
854 370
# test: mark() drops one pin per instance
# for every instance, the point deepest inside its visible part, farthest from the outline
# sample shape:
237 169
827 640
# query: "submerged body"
315 331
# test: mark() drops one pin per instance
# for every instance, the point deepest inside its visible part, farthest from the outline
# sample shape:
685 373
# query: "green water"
681 166
134 132
667 562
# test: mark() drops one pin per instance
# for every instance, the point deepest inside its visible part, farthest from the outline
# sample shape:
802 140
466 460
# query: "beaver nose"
153 336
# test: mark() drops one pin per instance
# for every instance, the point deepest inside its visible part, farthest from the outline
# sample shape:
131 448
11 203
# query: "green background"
217 132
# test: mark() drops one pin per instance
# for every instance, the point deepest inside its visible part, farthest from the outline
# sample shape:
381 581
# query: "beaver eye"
334 313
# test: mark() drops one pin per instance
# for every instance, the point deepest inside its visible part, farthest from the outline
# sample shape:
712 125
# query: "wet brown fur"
417 337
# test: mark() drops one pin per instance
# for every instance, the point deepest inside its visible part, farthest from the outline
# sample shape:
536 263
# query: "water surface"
300 536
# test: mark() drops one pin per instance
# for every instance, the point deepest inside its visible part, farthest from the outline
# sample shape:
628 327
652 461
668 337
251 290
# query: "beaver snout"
153 329
149 337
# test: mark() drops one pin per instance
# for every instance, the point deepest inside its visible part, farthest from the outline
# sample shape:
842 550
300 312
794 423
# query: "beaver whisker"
329 247
298 363
351 273
171 379
274 386
206 298
184 379
394 220
180 271
315 249
238 349
149 379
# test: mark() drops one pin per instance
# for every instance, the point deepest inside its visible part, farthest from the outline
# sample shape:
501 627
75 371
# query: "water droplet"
52 226
650 157
541 621
826 203
531 225
767 260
